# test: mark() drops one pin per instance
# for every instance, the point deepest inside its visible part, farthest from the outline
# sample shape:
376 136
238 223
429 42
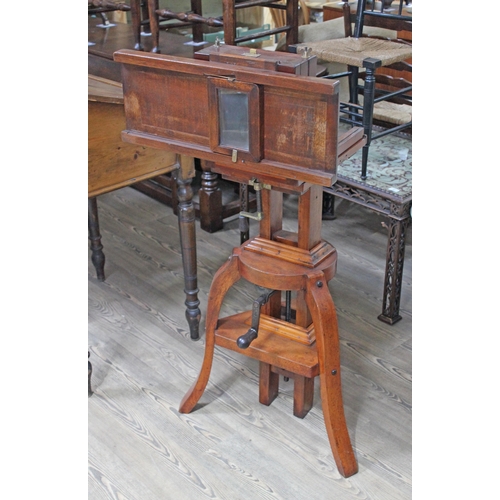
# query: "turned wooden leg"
268 384
229 16
210 200
223 280
135 14
394 270
90 376
324 316
187 228
144 16
197 28
370 64
95 240
154 24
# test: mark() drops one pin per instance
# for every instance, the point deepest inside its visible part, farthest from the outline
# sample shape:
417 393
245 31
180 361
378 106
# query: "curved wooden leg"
223 280
324 317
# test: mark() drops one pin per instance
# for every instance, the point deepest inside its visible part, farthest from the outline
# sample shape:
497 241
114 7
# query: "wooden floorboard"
231 447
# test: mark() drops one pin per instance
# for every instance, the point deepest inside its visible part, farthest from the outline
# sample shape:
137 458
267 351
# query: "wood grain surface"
113 164
232 447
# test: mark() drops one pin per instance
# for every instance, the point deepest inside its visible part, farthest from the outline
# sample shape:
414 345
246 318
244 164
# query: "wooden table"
383 198
102 44
113 164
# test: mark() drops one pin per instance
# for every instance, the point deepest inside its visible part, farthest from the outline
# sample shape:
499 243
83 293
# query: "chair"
363 55
137 9
290 25
194 18
279 18
227 21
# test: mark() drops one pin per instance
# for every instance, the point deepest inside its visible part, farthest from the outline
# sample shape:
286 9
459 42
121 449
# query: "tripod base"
277 353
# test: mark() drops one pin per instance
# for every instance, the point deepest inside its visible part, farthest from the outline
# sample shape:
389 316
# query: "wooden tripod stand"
301 350
282 130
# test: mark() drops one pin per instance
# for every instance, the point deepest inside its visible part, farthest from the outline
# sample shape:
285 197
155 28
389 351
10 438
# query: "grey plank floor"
231 447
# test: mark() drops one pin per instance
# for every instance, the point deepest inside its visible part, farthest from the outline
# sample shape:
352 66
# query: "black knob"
245 340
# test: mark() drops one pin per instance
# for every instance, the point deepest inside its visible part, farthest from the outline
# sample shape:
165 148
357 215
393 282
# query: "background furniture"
104 42
391 77
135 7
388 188
289 28
360 52
334 10
378 195
194 18
102 45
387 191
279 16
114 164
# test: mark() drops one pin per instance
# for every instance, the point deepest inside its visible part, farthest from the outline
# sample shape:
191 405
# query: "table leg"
95 240
328 212
187 233
394 270
210 200
90 376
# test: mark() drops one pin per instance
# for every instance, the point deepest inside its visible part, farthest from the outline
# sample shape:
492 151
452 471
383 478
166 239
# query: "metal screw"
334 372
319 284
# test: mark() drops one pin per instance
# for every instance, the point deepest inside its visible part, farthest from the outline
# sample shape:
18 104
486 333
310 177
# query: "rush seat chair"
363 55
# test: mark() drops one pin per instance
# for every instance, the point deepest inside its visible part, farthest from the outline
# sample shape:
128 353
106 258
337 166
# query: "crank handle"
245 340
